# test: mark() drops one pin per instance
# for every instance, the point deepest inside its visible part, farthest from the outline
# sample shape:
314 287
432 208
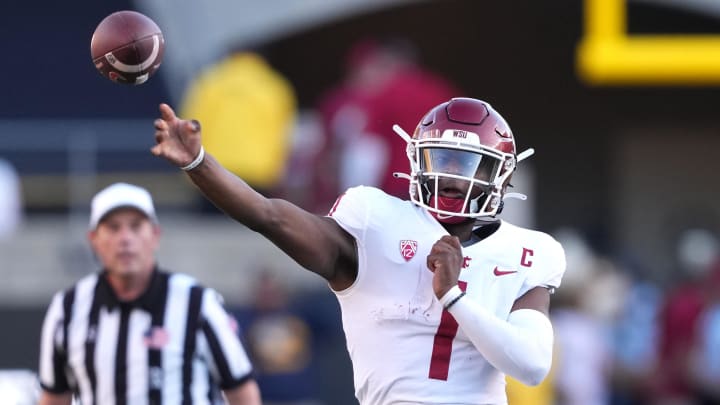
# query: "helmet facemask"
462 155
456 181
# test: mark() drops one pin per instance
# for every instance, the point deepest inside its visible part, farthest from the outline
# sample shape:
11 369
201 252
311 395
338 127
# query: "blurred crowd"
625 338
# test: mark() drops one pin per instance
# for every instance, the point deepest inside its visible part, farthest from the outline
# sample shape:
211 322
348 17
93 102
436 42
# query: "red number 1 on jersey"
442 345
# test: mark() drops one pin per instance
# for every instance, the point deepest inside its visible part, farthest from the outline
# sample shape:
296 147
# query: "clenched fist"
445 261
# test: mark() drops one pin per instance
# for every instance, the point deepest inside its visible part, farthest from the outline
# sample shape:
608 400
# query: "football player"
440 298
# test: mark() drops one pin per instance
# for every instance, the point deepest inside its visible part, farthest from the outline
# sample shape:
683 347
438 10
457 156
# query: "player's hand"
445 261
178 140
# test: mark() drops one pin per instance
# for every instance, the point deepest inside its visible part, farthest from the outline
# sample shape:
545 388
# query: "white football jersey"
404 348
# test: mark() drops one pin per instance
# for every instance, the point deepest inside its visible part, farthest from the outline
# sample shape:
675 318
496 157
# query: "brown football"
127 47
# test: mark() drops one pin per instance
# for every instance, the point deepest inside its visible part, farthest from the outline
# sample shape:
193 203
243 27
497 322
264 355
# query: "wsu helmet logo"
408 249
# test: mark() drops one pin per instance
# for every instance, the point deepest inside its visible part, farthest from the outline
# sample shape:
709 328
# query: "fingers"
160 136
160 125
168 118
433 263
166 112
453 241
447 249
175 138
194 125
161 129
445 262
447 243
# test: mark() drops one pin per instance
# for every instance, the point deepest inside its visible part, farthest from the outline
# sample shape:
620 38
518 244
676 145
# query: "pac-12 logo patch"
408 249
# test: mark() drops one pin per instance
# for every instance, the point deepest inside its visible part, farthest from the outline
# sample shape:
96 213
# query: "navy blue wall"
47 70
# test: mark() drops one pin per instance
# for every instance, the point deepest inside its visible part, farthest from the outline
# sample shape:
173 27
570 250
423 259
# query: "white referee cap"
121 195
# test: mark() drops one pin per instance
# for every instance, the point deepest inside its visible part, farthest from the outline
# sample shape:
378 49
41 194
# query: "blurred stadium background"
619 98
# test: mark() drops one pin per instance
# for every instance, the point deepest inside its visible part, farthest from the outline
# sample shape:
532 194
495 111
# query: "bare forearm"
246 394
230 193
283 223
47 398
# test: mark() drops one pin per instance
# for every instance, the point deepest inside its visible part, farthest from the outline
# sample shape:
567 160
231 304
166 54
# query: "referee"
134 334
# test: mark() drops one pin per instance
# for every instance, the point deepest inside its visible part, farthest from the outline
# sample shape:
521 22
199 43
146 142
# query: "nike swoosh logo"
499 272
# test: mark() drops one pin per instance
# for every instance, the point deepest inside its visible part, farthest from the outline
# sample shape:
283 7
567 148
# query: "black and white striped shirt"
173 345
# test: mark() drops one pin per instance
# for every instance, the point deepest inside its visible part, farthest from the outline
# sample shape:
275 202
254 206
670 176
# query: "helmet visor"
461 163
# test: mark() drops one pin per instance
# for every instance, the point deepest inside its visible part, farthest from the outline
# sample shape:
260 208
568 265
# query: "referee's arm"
47 398
55 388
246 394
227 359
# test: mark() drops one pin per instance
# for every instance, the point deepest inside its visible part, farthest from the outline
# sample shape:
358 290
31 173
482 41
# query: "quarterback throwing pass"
440 297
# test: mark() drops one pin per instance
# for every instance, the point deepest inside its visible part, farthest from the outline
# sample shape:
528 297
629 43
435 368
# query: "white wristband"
195 163
451 297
